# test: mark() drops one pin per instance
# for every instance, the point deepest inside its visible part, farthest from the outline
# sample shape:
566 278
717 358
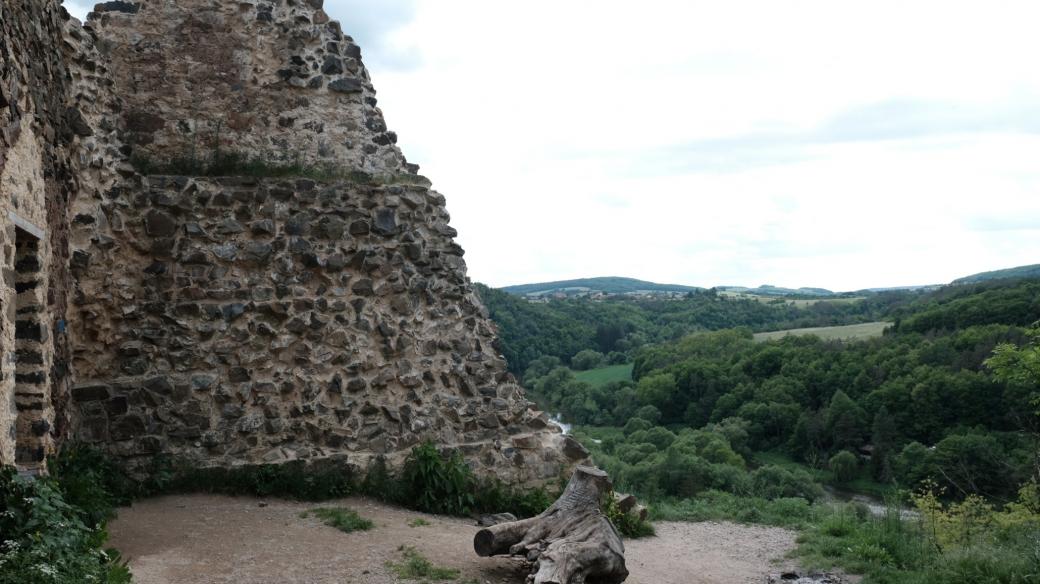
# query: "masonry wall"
274 80
243 320
265 320
39 129
231 320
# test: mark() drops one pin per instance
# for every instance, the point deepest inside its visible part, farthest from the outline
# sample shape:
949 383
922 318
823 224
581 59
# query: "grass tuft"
343 519
418 522
415 566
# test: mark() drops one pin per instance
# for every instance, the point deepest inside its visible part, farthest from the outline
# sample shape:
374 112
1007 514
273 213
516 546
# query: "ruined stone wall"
270 320
242 320
39 133
231 320
274 80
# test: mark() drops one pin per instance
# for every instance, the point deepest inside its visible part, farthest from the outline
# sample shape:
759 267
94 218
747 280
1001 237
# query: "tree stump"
571 542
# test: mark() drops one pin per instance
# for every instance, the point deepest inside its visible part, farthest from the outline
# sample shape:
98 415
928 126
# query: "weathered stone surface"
235 319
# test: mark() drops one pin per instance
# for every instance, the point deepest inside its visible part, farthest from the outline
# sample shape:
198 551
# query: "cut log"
571 542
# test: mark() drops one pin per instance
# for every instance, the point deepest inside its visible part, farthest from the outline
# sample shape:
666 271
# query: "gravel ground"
204 539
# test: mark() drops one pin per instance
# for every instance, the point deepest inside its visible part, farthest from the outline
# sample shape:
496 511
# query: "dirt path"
196 539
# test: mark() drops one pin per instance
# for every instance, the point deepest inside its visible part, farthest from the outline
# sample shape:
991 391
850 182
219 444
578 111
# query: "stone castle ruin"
308 304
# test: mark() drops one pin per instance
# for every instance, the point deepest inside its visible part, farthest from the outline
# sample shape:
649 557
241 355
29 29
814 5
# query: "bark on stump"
571 542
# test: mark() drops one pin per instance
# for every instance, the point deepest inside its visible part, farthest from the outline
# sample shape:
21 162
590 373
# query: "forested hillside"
1030 271
609 285
943 405
562 328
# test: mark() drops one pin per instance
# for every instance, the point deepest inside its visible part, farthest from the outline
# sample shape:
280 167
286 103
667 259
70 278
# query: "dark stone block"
34 378
29 264
80 260
126 427
230 227
259 253
143 122
159 224
160 385
77 123
28 330
239 374
148 445
385 222
263 227
29 357
346 85
363 287
94 429
333 65
233 311
118 6
117 406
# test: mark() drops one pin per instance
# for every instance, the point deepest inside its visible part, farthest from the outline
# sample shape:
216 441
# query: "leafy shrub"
91 482
45 539
774 482
438 483
494 497
587 359
628 524
843 465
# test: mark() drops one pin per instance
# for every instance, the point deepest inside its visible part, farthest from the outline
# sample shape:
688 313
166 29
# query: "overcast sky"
834 144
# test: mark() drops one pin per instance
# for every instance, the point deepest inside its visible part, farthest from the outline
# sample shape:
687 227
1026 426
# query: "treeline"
562 328
961 306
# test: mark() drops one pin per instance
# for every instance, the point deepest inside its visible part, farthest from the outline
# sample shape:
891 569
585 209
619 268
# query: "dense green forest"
562 328
609 285
1030 271
940 410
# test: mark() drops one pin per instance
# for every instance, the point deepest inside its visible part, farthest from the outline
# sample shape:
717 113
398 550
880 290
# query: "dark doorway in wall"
30 386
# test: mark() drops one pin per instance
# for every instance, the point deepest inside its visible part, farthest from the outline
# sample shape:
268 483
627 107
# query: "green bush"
844 466
493 496
774 482
45 539
627 524
587 359
438 483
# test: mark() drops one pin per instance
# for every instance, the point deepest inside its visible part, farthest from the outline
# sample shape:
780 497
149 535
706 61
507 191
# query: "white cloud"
800 143
797 143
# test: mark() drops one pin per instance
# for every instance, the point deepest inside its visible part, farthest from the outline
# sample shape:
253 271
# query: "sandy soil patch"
208 539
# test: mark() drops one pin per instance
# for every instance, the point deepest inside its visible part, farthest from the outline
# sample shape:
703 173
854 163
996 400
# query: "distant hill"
609 285
1032 271
768 290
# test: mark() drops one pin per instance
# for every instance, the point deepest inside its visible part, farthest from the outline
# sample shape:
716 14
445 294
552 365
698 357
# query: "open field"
867 330
605 375
799 302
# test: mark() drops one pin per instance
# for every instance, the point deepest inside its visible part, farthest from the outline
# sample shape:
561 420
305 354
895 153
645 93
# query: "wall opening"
30 387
